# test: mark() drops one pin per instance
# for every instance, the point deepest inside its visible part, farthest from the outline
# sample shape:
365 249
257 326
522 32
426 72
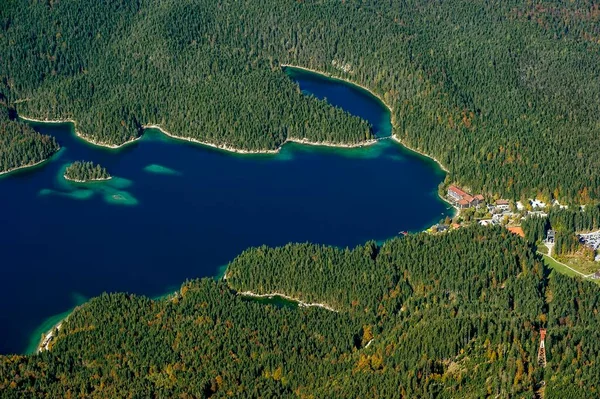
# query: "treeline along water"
505 94
175 210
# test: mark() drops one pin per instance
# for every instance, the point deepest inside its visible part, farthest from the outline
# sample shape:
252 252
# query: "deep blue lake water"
177 210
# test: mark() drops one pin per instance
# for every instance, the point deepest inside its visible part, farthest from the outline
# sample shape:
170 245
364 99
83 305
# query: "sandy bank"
79 134
240 151
107 145
442 167
220 147
395 138
86 181
55 121
48 337
330 144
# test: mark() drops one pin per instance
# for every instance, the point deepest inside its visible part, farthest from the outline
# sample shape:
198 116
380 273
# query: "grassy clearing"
578 263
554 265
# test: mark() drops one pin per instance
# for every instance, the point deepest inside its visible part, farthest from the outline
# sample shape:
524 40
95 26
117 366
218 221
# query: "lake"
176 211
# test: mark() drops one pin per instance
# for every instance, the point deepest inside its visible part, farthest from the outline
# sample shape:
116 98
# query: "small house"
518 230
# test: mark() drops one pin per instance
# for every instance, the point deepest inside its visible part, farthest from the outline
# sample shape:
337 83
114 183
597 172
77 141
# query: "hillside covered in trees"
506 94
20 145
453 315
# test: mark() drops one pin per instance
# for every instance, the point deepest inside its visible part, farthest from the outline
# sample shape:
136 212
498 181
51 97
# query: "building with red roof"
462 199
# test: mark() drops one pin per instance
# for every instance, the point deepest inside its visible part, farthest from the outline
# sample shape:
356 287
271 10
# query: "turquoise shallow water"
176 210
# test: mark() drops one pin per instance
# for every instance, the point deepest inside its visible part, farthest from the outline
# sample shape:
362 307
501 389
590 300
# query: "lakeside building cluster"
463 200
500 210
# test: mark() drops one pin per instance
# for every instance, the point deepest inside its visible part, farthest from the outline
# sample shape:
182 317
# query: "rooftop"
457 190
517 230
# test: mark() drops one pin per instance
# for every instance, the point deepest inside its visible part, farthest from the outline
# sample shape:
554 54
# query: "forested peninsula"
81 171
505 94
20 145
452 315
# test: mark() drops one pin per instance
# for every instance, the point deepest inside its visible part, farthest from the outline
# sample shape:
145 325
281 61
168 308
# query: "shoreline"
365 143
50 121
25 166
393 136
87 181
79 134
217 146
44 344
331 76
49 336
106 145
196 141
289 298
442 167
275 151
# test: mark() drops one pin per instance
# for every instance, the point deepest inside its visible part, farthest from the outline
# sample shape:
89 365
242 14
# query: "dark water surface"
176 210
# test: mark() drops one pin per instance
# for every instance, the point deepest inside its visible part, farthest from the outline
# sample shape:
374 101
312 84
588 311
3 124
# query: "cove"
345 95
178 210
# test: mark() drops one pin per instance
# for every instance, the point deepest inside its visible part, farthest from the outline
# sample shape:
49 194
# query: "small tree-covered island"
82 171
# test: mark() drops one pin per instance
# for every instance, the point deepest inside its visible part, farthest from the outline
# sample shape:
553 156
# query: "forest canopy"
82 171
20 145
506 94
453 315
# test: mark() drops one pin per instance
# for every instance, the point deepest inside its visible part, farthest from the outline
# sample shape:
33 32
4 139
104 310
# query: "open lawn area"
578 263
554 265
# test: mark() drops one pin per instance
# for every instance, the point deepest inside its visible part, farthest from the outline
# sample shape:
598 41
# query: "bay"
177 210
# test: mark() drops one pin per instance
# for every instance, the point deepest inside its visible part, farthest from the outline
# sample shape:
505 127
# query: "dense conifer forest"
506 94
453 315
20 145
86 171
